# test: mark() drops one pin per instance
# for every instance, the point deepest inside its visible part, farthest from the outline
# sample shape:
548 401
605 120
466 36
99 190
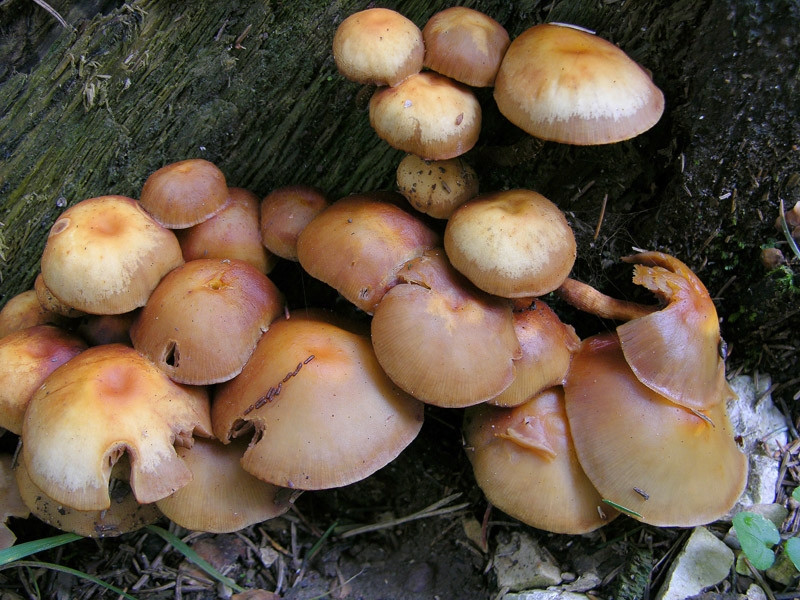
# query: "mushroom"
222 497
661 462
27 357
204 319
105 255
358 244
440 339
512 244
24 310
428 114
106 401
324 412
185 193
561 83
11 504
285 212
436 187
465 45
378 46
524 461
234 232
547 347
676 351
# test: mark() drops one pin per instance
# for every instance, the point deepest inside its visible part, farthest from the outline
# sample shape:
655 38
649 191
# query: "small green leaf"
23 550
796 493
757 536
793 549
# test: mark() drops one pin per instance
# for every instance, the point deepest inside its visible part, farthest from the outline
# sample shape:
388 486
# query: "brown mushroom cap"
440 339
107 329
106 401
676 351
378 46
436 187
428 114
513 244
547 347
105 255
11 504
185 193
24 310
234 232
27 357
524 461
285 212
563 84
358 244
222 497
204 319
325 413
124 514
670 465
49 302
465 45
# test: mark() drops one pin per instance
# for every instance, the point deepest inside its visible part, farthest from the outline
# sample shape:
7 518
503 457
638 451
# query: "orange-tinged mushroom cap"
203 320
563 84
676 351
285 212
105 255
106 401
440 339
667 464
525 462
325 413
24 310
222 497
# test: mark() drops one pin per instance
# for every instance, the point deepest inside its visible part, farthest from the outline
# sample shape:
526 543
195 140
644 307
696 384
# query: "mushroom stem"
584 297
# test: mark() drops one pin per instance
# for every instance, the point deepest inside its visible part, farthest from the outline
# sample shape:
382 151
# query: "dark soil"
704 185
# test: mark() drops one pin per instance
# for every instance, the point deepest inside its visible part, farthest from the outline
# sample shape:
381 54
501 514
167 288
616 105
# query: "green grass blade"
192 556
43 565
315 548
22 550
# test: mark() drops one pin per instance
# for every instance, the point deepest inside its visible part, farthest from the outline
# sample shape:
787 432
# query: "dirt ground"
704 185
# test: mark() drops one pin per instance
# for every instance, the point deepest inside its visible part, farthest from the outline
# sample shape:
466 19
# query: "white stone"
763 429
522 563
704 561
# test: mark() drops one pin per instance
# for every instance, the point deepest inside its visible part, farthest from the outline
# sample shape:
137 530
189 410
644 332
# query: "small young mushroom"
185 193
563 84
663 463
204 319
436 187
234 232
428 114
378 46
324 412
106 401
222 497
105 255
465 45
285 212
524 461
513 244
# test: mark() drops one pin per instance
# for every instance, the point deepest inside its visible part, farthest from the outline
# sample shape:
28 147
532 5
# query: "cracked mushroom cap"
106 401
204 319
566 85
513 244
105 255
124 514
185 193
428 114
440 339
358 244
325 415
676 351
524 461
27 357
378 46
547 347
234 232
465 45
222 497
663 463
